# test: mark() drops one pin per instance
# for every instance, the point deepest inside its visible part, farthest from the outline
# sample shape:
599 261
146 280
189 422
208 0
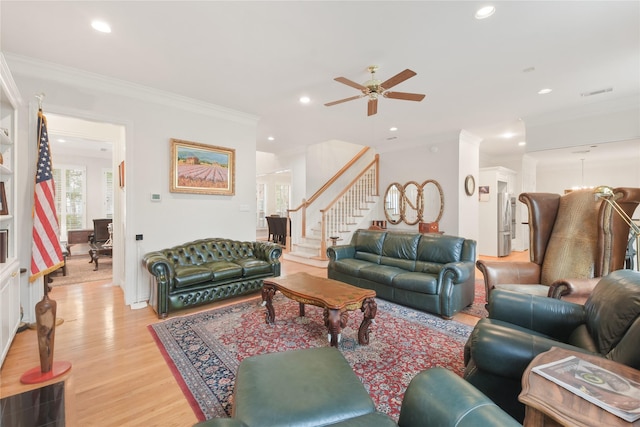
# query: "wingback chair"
521 326
573 240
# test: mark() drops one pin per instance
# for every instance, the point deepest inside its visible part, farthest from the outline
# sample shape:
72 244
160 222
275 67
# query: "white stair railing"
309 222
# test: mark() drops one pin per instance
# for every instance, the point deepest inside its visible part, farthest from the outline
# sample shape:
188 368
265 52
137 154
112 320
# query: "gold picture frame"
202 169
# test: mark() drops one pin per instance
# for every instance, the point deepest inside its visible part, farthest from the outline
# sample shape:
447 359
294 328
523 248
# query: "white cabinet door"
9 304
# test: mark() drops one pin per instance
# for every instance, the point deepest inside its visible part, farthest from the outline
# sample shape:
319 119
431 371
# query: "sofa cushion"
253 267
350 266
367 256
380 273
440 248
188 275
428 267
405 264
400 246
223 270
368 241
416 282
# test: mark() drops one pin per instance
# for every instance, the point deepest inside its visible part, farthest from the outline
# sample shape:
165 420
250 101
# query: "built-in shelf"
4 139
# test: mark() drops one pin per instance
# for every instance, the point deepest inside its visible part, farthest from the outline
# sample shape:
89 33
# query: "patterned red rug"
204 349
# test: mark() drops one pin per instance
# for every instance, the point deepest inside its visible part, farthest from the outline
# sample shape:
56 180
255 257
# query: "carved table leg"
334 320
268 291
369 308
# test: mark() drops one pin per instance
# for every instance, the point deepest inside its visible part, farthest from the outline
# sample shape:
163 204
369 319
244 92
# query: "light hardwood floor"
118 376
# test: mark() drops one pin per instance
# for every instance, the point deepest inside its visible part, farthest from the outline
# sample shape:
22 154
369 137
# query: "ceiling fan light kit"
373 89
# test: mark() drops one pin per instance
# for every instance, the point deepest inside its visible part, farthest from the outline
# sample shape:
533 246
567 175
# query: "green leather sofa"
317 387
430 272
521 326
208 270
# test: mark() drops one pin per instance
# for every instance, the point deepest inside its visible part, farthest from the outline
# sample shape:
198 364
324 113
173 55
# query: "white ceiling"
260 57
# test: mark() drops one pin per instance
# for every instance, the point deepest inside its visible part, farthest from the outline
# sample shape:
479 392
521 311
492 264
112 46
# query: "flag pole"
46 256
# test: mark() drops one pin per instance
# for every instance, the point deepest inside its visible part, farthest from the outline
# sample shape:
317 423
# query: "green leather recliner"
521 326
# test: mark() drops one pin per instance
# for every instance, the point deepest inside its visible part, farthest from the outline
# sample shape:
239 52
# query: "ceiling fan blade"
351 83
340 101
398 78
405 96
372 107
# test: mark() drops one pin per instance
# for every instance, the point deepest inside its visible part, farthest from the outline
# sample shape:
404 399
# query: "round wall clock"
469 185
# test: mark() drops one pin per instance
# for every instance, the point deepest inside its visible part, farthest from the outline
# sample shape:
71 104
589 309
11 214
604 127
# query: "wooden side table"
549 404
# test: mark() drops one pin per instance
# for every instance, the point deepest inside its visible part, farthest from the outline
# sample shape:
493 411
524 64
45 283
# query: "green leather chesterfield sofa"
317 387
520 326
208 270
430 272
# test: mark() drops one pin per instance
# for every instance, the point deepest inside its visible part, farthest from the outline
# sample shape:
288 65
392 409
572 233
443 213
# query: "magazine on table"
611 392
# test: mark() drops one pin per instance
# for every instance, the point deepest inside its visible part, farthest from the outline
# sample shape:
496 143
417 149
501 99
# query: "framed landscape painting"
202 169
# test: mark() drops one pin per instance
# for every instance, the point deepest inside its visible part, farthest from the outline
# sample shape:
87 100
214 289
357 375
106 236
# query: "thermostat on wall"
155 197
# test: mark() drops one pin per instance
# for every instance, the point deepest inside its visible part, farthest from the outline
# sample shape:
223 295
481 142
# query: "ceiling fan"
373 89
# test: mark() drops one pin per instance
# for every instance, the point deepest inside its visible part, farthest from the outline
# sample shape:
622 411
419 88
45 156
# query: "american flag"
46 254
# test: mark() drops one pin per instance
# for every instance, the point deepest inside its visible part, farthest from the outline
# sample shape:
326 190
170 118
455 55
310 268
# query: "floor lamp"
606 193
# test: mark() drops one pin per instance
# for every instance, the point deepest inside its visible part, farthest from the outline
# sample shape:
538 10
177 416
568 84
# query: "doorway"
86 184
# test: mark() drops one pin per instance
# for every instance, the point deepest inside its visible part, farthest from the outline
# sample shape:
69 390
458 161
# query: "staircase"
322 220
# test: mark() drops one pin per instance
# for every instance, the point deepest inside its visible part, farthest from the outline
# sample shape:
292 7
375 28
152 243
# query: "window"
282 199
261 204
70 183
107 192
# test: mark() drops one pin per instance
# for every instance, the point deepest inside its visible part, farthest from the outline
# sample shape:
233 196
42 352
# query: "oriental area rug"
204 349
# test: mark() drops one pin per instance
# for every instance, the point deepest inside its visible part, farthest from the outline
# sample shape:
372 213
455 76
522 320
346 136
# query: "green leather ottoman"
310 387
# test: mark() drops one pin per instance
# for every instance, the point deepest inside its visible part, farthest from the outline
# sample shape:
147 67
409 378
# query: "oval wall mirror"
412 203
392 202
433 198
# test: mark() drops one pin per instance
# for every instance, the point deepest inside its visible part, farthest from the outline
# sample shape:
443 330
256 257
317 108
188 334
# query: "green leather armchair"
521 326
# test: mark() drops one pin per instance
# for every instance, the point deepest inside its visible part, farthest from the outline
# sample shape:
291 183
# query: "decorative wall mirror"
392 200
433 198
411 203
414 203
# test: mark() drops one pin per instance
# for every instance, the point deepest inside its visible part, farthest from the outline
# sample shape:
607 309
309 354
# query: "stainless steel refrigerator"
505 217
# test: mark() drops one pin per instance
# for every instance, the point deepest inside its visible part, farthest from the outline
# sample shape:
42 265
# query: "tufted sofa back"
208 250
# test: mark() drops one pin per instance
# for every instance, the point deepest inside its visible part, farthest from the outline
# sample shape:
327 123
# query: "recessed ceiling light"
544 91
508 135
270 138
393 128
101 26
305 99
485 12
522 143
61 140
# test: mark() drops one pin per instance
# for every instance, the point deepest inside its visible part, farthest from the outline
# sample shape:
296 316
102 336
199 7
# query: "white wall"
327 158
150 118
435 159
468 208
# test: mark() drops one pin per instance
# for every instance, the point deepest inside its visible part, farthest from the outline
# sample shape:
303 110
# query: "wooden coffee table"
337 299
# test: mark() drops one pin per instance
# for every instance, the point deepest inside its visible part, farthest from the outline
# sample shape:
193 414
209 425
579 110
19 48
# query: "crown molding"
22 65
9 84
